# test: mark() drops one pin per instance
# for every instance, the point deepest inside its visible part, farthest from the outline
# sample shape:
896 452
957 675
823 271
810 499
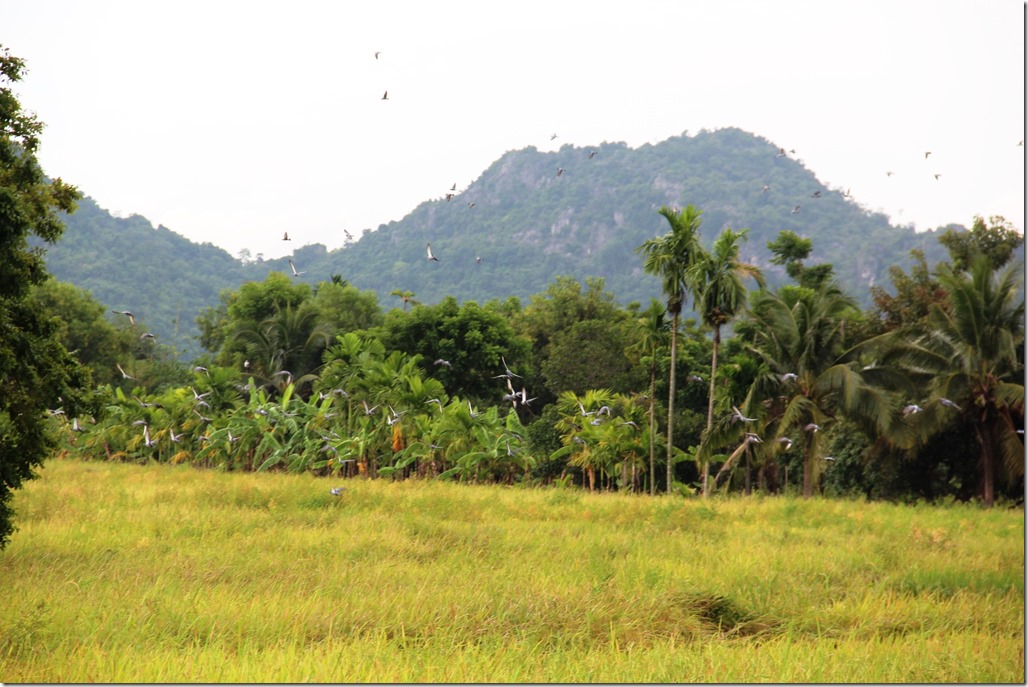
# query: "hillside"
527 224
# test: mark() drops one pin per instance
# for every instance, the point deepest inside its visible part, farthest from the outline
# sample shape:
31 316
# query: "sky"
232 122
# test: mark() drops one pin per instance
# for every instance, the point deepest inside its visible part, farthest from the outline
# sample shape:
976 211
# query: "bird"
888 174
592 154
789 377
377 53
449 197
434 400
287 373
811 427
367 410
123 373
737 415
1020 144
553 136
786 441
126 313
444 363
336 491
560 170
796 210
471 411
750 436
201 368
349 236
815 194
694 378
385 96
175 438
949 404
847 194
506 369
937 176
471 204
75 425
765 188
927 153
147 335
246 364
454 187
524 397
285 237
829 457
146 437
630 424
293 268
911 409
431 256
478 259
780 153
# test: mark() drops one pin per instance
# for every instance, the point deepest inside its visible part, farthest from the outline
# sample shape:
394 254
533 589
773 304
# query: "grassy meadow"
159 573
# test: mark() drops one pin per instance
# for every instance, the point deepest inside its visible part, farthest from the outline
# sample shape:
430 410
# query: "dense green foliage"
37 374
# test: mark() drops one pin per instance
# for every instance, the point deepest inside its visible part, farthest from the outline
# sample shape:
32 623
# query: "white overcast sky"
232 122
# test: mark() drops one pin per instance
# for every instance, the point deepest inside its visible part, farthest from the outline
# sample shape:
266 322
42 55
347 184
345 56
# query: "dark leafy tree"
36 372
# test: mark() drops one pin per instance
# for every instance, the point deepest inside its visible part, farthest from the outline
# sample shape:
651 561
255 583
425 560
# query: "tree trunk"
653 462
808 468
710 407
671 400
748 488
988 460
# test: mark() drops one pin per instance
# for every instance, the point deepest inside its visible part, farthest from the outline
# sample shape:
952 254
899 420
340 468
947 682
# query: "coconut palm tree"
671 258
721 295
798 334
966 356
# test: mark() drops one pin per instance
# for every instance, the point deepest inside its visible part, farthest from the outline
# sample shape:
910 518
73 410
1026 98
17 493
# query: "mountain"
528 224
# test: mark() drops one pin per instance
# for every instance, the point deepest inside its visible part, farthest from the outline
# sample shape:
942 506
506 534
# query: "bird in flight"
337 491
449 197
147 335
377 53
847 194
780 153
454 187
811 427
927 153
694 378
785 441
478 259
815 194
285 237
592 154
949 404
126 313
789 377
937 176
385 96
796 210
553 136
471 204
560 170
123 373
737 415
430 254
888 174
293 268
911 409
765 188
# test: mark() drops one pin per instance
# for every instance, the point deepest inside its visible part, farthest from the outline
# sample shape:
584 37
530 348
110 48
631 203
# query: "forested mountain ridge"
527 224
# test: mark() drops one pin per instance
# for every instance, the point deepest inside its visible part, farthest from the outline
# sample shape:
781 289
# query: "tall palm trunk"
984 431
653 462
671 398
808 466
710 406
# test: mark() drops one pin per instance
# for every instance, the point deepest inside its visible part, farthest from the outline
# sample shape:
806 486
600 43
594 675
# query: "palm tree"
967 355
287 346
651 334
798 335
719 277
671 258
407 297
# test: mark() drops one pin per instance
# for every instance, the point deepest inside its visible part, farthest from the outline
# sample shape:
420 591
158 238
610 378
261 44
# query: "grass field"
125 573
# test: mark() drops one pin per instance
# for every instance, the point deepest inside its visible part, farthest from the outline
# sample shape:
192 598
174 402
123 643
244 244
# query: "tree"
799 335
36 372
719 276
791 250
970 355
671 258
651 335
996 240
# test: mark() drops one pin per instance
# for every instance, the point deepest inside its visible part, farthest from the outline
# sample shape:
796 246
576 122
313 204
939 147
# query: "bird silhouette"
431 256
553 137
385 96
592 154
796 210
560 170
937 176
888 174
285 237
927 153
126 313
377 53
454 187
815 194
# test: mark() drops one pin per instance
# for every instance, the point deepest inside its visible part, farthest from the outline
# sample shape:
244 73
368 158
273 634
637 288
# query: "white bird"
293 268
444 363
560 170
336 491
796 210
765 188
829 457
147 335
126 313
507 369
949 404
789 377
811 427
737 415
75 425
175 438
367 410
123 373
471 411
911 409
592 154
430 254
146 437
752 437
694 378
786 441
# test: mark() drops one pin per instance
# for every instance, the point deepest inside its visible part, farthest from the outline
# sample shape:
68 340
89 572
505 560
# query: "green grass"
124 573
